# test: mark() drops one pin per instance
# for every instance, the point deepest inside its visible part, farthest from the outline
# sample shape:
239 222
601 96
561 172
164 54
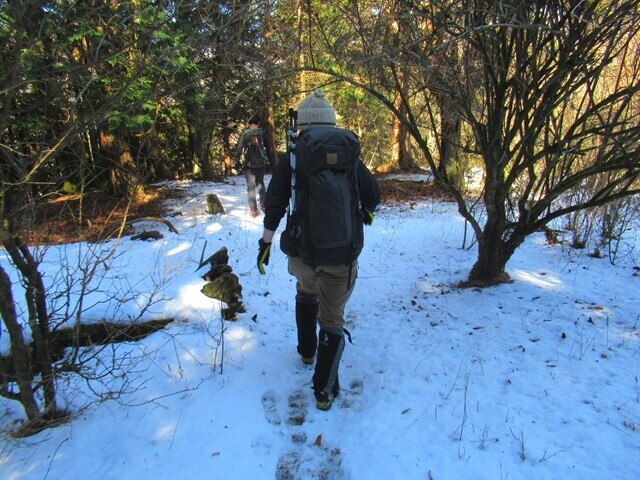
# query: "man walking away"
251 149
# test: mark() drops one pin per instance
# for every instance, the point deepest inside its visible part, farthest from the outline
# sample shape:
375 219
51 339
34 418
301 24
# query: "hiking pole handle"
292 135
292 132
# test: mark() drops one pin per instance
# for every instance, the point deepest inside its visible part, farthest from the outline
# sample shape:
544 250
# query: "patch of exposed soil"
95 217
395 191
99 216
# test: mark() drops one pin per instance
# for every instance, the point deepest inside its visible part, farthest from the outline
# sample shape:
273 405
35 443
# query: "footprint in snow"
351 397
311 461
270 400
306 459
298 407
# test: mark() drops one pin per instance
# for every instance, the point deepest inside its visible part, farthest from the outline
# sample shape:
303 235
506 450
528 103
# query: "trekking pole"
292 135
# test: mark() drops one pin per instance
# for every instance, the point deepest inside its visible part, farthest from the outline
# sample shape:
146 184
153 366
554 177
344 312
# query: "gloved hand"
367 216
263 255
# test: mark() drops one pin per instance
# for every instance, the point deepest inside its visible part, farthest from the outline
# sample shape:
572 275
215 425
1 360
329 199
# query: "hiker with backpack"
328 194
253 153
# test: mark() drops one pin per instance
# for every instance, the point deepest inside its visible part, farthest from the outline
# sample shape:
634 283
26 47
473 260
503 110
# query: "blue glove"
263 255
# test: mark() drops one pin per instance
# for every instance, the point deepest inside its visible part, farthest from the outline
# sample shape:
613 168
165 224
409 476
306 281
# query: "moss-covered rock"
222 284
225 287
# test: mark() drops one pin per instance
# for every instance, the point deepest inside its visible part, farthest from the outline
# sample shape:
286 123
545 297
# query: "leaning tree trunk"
398 144
22 371
38 318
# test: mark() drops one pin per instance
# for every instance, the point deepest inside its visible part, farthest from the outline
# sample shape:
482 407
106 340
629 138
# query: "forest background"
101 99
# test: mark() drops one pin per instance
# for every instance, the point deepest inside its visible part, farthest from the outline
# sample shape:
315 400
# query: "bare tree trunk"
268 121
227 148
304 78
492 257
269 130
400 137
450 131
398 141
199 146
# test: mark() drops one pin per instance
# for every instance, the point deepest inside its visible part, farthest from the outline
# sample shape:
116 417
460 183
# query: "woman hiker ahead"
334 195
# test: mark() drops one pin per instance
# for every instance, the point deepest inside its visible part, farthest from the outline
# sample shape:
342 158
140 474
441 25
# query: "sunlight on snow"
207 350
190 296
213 228
184 246
542 280
165 432
241 338
429 287
26 470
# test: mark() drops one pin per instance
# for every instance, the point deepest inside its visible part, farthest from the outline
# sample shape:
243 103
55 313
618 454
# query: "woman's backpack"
325 225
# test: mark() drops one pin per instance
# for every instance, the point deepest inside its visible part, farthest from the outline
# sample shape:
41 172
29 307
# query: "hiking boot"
324 401
253 213
308 360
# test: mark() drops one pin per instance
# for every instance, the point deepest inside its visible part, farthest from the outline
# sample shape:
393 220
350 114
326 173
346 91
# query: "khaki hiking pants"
328 285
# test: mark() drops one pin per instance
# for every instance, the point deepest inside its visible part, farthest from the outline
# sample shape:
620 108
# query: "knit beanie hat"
315 110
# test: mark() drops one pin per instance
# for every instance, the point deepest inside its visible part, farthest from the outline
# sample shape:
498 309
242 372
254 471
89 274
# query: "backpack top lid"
253 132
320 148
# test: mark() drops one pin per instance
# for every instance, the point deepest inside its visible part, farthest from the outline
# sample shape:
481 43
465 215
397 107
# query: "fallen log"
157 219
85 336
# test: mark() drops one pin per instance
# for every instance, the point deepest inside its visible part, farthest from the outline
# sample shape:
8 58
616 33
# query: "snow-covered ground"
538 378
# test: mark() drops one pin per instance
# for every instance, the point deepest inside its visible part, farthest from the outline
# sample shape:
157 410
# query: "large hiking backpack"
255 154
325 225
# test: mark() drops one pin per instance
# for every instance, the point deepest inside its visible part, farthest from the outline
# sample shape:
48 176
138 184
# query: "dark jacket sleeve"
368 188
278 194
